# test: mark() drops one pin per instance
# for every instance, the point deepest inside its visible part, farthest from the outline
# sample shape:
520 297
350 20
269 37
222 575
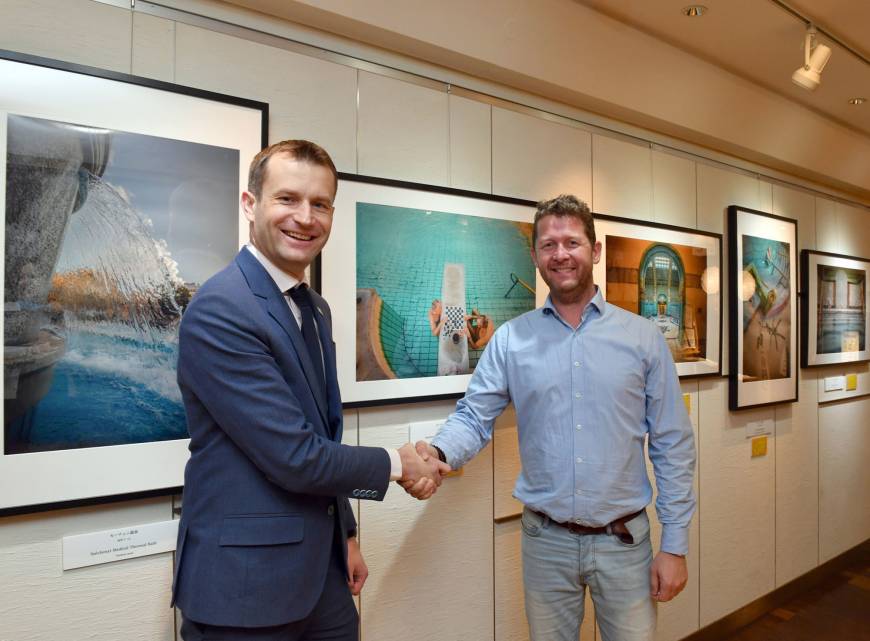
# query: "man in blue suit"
267 544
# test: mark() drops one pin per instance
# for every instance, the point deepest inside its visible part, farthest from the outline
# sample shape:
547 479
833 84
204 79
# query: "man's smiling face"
565 256
292 217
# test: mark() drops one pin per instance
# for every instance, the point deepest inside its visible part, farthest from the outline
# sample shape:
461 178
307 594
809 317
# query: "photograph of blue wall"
108 235
766 312
432 287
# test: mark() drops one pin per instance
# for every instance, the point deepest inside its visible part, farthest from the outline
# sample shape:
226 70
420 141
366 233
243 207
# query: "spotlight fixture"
816 56
857 101
694 10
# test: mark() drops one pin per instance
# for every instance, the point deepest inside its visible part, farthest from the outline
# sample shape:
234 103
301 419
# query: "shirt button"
578 395
330 510
579 460
578 521
579 427
576 363
579 492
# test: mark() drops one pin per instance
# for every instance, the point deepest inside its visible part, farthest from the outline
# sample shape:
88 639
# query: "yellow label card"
759 446
851 382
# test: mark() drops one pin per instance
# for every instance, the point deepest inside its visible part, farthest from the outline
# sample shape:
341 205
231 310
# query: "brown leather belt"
616 527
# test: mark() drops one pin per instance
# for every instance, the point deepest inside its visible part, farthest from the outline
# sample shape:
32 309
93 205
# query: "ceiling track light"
816 56
694 10
857 101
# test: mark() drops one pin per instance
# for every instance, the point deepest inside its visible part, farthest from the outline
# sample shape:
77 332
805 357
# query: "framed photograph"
418 279
834 320
120 197
762 310
671 276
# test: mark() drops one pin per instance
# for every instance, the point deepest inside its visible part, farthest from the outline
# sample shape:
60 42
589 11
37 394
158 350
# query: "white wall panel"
801 206
537 159
417 551
797 482
737 506
826 226
470 144
506 465
621 178
674 186
402 130
308 98
844 476
842 229
153 47
719 188
79 31
679 618
765 196
121 600
852 230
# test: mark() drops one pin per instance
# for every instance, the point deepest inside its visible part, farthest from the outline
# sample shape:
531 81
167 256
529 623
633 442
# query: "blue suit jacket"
267 477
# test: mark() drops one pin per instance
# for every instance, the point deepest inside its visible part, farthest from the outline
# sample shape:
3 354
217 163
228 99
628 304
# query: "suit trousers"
334 617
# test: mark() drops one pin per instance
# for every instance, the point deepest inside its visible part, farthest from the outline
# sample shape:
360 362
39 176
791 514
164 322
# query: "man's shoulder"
223 289
637 330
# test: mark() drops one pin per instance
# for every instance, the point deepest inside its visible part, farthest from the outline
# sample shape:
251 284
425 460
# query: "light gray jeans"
558 565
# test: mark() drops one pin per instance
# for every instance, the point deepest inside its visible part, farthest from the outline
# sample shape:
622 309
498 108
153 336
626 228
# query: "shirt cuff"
675 539
395 464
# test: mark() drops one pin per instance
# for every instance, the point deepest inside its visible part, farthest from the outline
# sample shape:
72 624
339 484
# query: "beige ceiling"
722 81
763 42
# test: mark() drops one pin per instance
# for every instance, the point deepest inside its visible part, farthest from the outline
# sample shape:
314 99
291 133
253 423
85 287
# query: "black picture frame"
849 303
680 240
62 96
335 276
762 307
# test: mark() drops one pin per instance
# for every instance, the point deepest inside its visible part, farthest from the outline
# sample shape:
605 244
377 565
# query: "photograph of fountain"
108 235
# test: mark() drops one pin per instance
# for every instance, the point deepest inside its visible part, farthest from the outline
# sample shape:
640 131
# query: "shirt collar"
282 279
597 301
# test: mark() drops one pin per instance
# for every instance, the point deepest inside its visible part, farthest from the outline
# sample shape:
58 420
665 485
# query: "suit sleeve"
226 363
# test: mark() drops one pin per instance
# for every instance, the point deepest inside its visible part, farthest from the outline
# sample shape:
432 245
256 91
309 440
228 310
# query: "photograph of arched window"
670 276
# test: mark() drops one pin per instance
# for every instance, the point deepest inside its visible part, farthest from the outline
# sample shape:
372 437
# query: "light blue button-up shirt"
585 399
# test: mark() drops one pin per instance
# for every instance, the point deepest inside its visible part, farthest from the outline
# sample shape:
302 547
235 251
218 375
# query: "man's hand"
668 576
357 571
421 476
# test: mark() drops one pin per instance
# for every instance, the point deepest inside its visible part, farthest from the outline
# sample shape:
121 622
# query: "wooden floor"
838 609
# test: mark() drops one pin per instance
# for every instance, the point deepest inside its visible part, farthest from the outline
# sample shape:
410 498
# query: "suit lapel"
264 287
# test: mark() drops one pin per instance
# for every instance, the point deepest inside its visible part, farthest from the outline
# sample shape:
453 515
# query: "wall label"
834 383
81 550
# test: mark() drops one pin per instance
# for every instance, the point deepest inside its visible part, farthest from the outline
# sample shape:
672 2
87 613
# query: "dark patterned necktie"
302 297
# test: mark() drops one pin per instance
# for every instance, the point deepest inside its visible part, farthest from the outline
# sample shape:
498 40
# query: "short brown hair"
301 150
565 205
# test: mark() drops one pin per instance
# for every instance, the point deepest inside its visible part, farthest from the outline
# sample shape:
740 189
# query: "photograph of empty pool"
432 288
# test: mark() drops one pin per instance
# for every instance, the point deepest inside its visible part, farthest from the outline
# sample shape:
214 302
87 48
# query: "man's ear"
248 203
596 252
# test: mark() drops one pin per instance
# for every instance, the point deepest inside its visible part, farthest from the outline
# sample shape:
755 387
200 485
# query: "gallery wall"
445 568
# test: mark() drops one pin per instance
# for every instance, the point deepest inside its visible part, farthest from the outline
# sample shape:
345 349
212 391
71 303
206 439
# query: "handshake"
422 470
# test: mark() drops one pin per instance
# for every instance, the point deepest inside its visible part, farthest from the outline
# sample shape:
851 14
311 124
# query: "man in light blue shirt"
589 381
